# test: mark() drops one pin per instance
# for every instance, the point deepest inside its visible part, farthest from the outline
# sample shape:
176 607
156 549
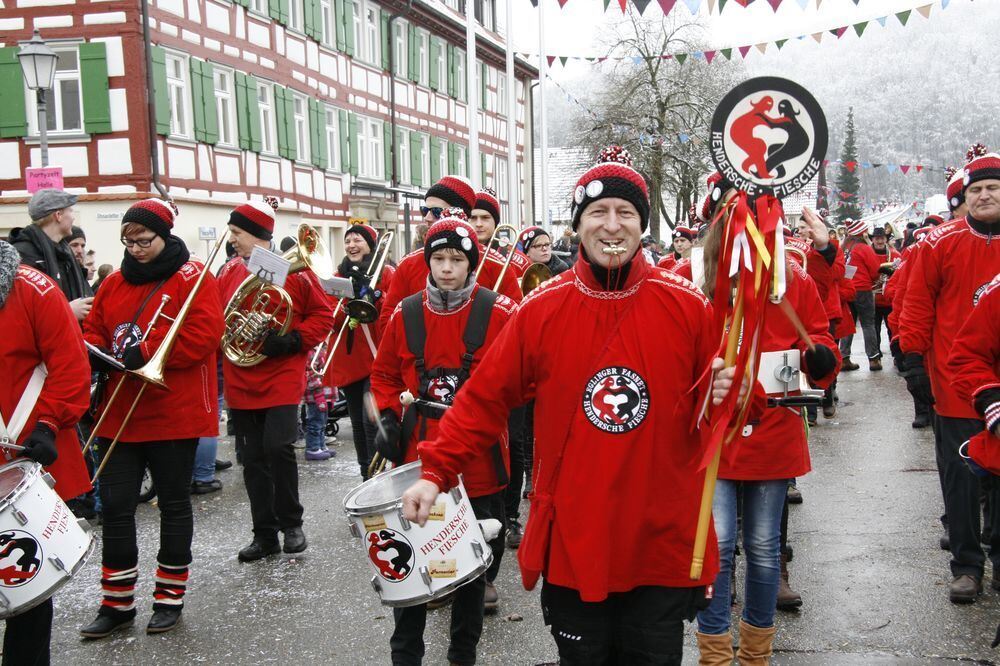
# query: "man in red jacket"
442 317
39 327
613 422
860 256
952 271
975 362
888 258
484 219
264 398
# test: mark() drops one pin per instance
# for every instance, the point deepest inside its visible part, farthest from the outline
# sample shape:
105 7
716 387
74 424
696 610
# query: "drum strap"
25 406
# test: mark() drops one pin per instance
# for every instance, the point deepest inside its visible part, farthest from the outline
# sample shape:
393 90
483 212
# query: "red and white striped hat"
857 227
154 214
256 217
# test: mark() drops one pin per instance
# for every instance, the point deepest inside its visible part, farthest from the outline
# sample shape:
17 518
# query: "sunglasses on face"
433 210
141 242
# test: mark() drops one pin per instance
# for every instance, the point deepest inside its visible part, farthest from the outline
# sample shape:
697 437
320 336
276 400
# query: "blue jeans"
204 459
315 427
763 502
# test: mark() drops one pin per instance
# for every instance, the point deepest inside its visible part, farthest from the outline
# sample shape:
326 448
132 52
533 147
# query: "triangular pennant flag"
711 6
818 36
903 16
826 163
890 168
563 59
551 59
881 20
850 166
743 51
839 31
856 1
904 168
727 53
636 60
818 3
803 3
722 5
774 4
944 4
709 56
681 57
693 5
876 165
860 27
684 138
762 47
920 168
641 5
866 165
562 3
623 4
667 5
780 43
925 11
606 3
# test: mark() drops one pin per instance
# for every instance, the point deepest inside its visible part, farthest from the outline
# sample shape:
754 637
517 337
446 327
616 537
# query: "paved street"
866 562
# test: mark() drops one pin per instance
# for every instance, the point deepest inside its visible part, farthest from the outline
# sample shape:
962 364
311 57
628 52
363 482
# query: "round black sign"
769 135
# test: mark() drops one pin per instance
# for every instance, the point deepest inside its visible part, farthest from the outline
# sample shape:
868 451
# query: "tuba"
259 308
534 276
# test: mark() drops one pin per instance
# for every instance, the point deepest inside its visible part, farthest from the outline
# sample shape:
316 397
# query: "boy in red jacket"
861 256
443 316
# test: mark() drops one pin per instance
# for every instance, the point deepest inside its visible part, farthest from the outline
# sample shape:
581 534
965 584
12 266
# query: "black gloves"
918 383
897 355
98 364
41 445
820 362
132 358
281 345
886 269
387 439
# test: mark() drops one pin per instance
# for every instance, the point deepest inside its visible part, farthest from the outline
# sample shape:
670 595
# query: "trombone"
505 242
361 308
152 372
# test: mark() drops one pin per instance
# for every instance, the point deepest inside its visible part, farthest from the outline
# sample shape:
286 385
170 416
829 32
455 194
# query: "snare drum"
41 543
414 564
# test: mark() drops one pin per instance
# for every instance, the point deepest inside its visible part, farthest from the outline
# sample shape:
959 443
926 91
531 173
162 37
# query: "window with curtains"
425 161
423 56
296 10
501 92
399 47
403 156
357 26
259 6
460 82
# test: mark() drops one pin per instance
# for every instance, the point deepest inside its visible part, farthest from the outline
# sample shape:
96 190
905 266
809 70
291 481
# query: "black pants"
961 499
641 627
529 440
407 640
863 310
515 429
882 318
27 637
363 429
270 472
170 463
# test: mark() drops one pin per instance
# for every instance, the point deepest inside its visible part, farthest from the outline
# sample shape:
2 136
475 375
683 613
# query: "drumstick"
406 399
12 447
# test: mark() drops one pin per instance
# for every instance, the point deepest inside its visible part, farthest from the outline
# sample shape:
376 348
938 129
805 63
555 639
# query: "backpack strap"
476 328
413 325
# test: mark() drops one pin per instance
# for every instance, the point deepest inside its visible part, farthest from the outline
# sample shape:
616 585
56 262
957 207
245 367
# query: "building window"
500 177
442 66
358 17
300 113
259 6
403 156
460 154
326 17
295 12
64 105
373 45
460 81
225 106
423 55
425 161
443 159
488 13
333 138
371 159
180 95
399 48
501 92
265 103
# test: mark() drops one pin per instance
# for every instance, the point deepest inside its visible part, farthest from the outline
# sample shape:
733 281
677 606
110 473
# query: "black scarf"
612 279
355 269
174 255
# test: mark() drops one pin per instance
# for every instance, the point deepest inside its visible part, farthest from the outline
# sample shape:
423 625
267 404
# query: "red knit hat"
717 186
452 230
456 191
933 220
986 167
256 217
154 214
612 176
365 231
954 190
685 232
486 199
857 227
530 235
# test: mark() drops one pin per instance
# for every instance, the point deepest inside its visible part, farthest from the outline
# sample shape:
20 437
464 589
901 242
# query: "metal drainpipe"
154 149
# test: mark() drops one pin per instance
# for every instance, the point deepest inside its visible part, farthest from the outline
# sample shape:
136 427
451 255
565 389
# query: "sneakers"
965 589
205 487
849 365
491 599
318 454
514 533
874 365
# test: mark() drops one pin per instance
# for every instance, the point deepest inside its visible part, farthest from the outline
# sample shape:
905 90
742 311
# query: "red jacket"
280 380
862 256
776 447
845 325
38 327
395 370
411 277
518 264
952 269
189 407
668 262
626 499
975 356
349 366
884 300
824 274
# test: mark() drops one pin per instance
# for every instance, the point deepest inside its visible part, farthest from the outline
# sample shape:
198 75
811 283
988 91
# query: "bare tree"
646 102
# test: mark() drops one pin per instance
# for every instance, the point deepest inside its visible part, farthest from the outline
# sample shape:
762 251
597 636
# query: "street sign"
357 220
206 233
43 178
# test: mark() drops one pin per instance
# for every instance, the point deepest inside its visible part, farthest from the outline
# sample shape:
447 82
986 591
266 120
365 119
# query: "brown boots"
754 649
715 649
788 599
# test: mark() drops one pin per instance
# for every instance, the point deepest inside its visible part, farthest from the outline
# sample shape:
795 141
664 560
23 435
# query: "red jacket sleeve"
917 318
510 287
200 333
66 393
975 354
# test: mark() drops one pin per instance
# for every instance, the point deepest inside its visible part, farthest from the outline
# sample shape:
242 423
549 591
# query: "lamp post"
38 64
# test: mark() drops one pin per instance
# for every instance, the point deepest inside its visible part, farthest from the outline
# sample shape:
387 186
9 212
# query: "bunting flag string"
728 53
694 6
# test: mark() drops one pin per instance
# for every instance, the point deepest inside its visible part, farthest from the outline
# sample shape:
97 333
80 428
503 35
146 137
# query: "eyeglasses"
541 246
433 210
141 242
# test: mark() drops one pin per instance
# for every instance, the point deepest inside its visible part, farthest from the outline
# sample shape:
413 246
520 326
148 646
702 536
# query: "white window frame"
371 155
425 161
268 119
424 56
403 156
400 48
300 125
358 27
372 29
332 135
54 100
487 14
460 161
501 92
442 65
326 13
442 160
225 106
259 6
296 13
460 90
500 177
179 94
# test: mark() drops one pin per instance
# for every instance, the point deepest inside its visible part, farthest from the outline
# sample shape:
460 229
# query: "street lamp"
38 63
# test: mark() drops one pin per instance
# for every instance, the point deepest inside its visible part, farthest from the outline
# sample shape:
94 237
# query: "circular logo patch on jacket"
616 399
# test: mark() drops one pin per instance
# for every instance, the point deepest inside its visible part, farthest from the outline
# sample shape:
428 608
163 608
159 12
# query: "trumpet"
259 307
361 308
495 238
153 371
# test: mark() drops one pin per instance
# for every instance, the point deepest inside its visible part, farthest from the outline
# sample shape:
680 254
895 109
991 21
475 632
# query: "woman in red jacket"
353 357
39 327
163 432
451 306
862 258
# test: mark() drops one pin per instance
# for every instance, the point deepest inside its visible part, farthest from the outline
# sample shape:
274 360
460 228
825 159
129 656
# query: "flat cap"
47 201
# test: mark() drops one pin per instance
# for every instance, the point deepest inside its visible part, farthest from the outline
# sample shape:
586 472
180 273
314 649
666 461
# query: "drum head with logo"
11 477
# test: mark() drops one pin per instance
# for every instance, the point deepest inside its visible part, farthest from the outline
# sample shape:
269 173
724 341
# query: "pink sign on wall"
43 178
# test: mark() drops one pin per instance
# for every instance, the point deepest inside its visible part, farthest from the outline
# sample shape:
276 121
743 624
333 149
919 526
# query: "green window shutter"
278 10
253 116
243 110
385 36
416 163
465 160
435 174
412 60
452 159
160 91
244 3
94 80
13 116
309 22
353 143
390 168
348 27
206 122
451 70
197 100
292 152
432 70
317 135
483 80
482 169
338 24
345 140
279 118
